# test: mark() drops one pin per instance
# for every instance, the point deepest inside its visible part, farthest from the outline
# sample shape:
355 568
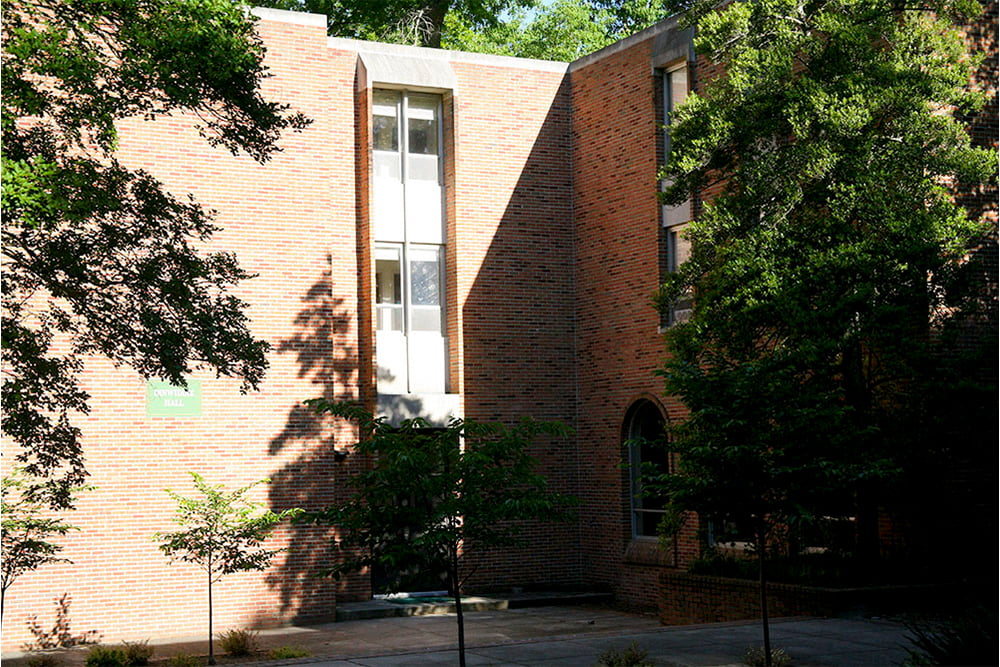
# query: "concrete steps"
422 606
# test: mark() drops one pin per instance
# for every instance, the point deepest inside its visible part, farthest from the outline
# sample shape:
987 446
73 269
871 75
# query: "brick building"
455 234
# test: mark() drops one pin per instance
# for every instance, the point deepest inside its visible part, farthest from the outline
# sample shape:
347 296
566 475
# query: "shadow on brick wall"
323 346
518 335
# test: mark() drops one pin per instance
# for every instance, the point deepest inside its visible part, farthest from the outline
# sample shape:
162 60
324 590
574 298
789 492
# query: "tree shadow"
325 347
61 634
518 343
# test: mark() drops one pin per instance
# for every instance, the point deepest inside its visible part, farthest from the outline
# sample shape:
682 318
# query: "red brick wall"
552 255
291 221
689 598
511 237
616 131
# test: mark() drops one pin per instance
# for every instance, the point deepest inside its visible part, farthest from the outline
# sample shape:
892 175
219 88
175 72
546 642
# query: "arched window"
645 438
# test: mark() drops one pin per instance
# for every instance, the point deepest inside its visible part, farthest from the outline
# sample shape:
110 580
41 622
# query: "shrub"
137 653
129 654
183 660
106 656
633 656
287 653
754 656
238 643
44 660
966 639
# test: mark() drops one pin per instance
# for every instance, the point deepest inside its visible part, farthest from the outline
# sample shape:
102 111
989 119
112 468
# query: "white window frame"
408 247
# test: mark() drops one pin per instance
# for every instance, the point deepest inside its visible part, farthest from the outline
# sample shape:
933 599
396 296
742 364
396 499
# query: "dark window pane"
423 136
386 131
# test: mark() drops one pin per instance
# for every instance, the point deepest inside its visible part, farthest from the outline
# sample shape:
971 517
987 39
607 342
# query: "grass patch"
633 656
287 653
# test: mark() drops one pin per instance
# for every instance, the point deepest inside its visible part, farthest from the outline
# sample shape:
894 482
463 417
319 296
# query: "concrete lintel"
392 69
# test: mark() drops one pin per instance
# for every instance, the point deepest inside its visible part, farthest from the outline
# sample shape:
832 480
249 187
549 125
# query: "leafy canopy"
825 259
27 530
98 254
430 489
416 22
222 532
561 30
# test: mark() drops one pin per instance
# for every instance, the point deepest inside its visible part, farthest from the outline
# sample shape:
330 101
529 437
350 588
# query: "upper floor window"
408 216
676 247
406 135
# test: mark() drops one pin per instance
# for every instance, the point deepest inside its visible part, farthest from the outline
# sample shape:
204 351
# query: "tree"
631 16
98 258
416 22
830 256
429 491
27 531
222 533
563 30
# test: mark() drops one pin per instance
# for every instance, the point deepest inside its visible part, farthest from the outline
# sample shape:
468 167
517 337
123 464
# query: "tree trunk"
434 13
453 575
211 646
761 562
858 395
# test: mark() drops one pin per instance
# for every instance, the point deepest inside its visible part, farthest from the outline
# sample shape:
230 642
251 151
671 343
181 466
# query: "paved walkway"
578 636
562 635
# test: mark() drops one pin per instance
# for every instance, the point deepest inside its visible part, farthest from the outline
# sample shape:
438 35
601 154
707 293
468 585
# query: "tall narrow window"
644 430
674 218
411 345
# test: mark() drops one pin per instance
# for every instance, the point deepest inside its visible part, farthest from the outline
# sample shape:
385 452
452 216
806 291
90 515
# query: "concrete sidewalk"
560 635
578 635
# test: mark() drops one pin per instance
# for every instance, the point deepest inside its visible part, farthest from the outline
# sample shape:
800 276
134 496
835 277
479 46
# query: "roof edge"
425 53
286 16
669 23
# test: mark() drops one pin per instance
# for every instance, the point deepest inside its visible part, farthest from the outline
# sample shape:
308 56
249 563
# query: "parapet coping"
363 46
669 23
444 55
288 16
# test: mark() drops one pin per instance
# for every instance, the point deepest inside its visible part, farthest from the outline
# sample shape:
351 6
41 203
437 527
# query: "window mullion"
404 150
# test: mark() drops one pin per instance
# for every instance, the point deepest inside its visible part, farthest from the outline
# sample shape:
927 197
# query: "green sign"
166 400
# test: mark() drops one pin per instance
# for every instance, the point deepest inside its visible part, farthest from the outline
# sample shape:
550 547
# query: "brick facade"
615 145
553 249
689 598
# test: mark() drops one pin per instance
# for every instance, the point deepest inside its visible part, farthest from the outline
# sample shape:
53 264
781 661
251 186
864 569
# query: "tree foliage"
416 22
222 533
561 30
827 260
826 263
628 17
27 530
99 258
429 491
